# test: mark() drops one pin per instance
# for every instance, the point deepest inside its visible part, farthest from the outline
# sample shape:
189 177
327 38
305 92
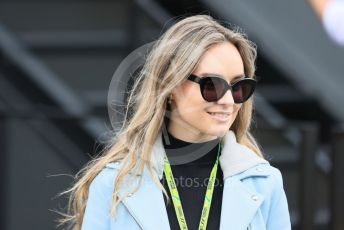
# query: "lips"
220 113
220 116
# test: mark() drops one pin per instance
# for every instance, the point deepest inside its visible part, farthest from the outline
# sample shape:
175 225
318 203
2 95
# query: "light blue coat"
253 195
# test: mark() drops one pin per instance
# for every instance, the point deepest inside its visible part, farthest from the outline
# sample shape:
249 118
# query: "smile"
220 116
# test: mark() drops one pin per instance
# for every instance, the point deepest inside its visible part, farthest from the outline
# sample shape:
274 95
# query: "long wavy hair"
173 57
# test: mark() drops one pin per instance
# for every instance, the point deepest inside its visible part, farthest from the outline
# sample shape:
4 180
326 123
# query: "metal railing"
3 171
308 148
337 181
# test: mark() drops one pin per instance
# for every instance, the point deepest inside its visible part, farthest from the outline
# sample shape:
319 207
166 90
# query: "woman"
192 109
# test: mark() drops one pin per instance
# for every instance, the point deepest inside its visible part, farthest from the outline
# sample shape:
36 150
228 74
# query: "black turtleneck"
191 172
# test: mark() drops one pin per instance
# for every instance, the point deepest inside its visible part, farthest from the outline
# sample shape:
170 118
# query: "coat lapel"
147 206
239 205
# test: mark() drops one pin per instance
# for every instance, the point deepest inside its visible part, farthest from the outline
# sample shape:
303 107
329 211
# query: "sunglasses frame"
229 86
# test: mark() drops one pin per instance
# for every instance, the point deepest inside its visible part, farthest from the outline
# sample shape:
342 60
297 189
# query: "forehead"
221 59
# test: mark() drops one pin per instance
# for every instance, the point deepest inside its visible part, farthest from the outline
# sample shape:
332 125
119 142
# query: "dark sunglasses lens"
213 88
243 90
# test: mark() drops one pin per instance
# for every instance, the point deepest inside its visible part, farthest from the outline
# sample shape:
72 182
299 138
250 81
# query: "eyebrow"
218 75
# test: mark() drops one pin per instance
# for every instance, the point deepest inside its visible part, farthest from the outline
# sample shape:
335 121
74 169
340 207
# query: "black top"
191 173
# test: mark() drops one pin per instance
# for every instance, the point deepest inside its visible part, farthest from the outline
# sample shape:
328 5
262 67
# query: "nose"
227 98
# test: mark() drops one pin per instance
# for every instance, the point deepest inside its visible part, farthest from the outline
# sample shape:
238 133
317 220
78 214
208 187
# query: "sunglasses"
213 88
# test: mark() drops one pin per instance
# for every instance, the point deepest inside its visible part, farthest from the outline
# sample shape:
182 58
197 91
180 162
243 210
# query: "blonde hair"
174 56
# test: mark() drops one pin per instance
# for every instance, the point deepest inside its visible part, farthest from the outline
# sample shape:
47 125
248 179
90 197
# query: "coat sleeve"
279 217
97 214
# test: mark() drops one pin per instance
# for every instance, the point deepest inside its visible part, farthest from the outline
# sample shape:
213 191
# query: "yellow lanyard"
176 199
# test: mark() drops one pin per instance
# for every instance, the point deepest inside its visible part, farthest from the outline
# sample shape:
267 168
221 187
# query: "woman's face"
192 118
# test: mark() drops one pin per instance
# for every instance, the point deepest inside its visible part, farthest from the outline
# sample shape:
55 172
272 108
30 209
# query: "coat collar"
237 163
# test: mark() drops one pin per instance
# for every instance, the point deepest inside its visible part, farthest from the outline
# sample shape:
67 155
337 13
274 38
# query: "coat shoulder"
263 178
107 175
103 182
261 170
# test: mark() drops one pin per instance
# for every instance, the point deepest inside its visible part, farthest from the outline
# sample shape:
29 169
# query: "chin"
218 132
223 133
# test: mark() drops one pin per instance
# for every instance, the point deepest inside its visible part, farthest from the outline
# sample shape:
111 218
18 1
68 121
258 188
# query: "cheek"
190 107
188 98
236 109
